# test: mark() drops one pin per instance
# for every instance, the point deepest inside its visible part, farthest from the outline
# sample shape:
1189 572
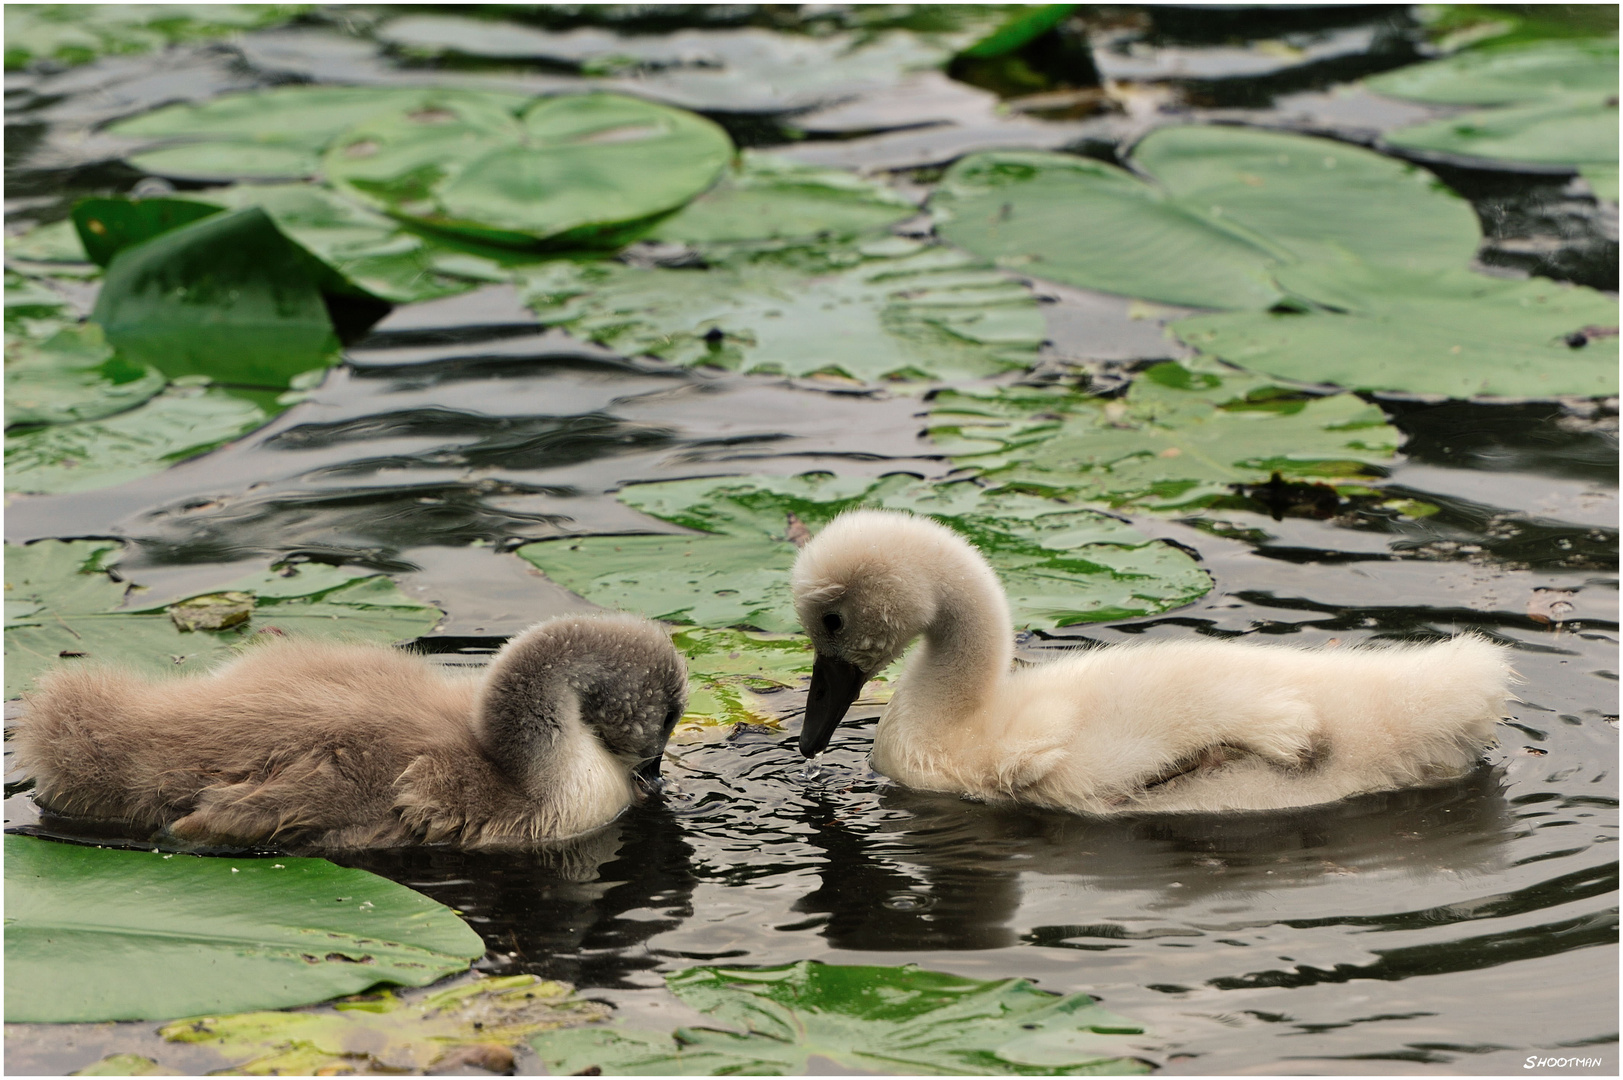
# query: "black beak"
647 778
835 685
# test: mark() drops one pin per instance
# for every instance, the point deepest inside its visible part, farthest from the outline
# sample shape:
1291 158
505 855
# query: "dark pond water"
1451 930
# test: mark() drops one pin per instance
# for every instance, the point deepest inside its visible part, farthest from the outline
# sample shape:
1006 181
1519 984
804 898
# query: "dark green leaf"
1020 30
227 296
108 226
95 934
875 1019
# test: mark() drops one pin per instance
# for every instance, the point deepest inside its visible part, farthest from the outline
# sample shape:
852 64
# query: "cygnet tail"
80 740
1433 715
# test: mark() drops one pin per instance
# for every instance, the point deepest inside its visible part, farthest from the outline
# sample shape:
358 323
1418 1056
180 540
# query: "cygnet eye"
670 720
833 623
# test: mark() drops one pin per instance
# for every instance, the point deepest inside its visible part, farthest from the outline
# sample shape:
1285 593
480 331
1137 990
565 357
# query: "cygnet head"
864 589
619 676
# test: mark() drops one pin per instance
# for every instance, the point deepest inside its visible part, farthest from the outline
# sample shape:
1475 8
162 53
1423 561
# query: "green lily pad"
583 170
1569 130
94 934
227 296
63 607
889 309
1221 208
72 375
1458 333
472 1024
54 250
770 198
1059 564
276 134
1508 75
125 1065
876 1019
1178 439
179 423
78 33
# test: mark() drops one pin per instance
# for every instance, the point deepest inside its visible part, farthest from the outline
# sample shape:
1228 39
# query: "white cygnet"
1197 725
329 745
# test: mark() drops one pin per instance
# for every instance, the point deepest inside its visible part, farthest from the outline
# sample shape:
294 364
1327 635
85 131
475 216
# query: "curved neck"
967 645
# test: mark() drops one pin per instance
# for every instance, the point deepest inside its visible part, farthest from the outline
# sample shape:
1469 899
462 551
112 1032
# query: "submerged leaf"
1059 564
227 296
585 170
475 1023
889 309
1178 439
63 607
875 1019
96 934
180 423
1222 208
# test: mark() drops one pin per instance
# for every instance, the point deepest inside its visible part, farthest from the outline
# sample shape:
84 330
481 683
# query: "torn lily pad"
477 1023
589 170
1178 439
775 1020
62 606
1059 564
96 934
889 309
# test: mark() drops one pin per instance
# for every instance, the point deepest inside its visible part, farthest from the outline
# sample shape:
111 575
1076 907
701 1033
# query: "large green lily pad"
767 198
1221 208
1059 564
1453 333
582 170
94 934
179 423
476 1023
275 134
78 33
1178 439
891 308
63 607
729 671
227 296
1508 75
875 1019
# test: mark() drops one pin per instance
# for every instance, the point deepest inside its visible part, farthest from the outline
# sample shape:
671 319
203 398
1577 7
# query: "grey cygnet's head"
622 672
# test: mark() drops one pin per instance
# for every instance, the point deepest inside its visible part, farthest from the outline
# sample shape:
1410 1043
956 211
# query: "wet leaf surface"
1177 439
876 1019
590 170
1513 74
476 1023
889 309
99 934
63 607
57 373
87 454
1058 563
1453 333
1222 208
